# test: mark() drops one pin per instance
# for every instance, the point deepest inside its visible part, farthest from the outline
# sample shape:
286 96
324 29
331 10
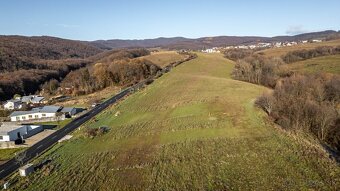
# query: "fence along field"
193 128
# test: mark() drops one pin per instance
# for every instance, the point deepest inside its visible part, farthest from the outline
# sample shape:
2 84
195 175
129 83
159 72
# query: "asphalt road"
12 165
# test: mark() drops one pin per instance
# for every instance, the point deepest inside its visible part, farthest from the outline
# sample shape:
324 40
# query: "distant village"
260 45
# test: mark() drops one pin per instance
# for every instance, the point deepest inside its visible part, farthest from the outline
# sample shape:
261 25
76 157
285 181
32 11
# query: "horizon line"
167 37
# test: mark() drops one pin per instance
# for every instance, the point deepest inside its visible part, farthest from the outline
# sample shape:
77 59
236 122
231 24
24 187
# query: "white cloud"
297 29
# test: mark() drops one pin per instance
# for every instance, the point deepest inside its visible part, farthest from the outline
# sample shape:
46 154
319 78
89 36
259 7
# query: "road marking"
1 171
39 146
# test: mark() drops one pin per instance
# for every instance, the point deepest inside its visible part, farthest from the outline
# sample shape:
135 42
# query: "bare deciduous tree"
20 158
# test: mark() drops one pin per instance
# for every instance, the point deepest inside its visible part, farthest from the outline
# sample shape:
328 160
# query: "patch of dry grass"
164 58
87 100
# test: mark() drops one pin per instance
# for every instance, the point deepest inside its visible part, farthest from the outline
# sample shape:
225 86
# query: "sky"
142 19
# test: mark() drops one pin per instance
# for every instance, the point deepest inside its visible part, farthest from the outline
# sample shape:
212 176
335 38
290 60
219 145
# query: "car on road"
95 105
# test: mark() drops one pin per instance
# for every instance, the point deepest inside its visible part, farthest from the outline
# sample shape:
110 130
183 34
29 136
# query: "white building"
278 44
242 47
12 132
26 170
13 104
211 50
45 112
264 45
36 113
316 40
252 46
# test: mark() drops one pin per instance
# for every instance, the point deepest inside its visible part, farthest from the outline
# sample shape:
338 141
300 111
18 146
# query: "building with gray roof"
36 113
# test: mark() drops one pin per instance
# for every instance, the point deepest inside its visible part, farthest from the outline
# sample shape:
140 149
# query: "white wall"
4 138
33 116
9 105
12 105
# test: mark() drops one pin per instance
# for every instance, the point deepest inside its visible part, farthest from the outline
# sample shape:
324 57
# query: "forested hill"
28 62
208 42
19 52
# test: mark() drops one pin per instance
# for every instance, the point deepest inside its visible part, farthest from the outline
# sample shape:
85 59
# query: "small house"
37 100
69 111
13 104
33 99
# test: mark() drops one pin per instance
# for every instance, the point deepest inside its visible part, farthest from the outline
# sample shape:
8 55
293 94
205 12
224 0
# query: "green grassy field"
164 58
6 154
58 125
329 64
192 129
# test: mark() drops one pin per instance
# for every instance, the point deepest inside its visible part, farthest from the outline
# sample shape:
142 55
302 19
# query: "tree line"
116 68
299 102
28 81
299 55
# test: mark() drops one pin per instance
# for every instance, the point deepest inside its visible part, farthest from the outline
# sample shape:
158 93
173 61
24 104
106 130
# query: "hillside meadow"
328 64
164 58
194 128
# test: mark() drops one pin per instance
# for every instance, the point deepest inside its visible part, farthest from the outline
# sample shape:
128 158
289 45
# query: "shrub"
266 102
258 69
237 54
93 132
308 103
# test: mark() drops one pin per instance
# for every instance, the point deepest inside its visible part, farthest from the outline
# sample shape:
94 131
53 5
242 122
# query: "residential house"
33 99
211 50
13 104
278 44
12 132
69 111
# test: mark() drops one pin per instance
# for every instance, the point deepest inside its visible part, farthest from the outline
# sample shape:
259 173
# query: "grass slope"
6 154
192 129
164 58
329 64
277 52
